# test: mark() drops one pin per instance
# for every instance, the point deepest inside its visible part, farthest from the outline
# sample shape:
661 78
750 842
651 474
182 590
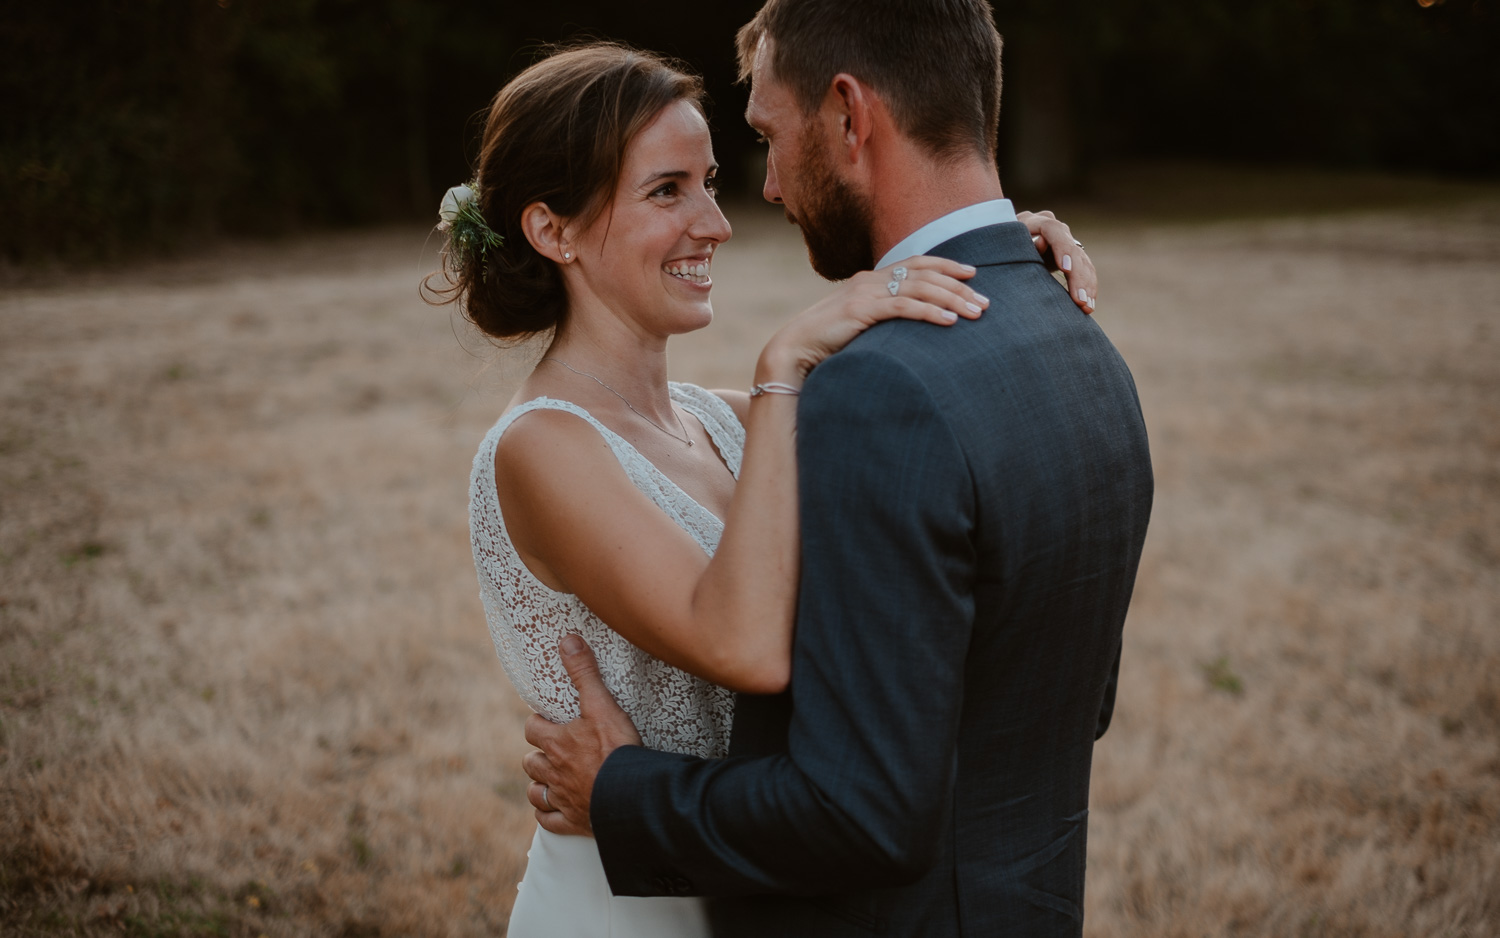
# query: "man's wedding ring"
546 790
1079 244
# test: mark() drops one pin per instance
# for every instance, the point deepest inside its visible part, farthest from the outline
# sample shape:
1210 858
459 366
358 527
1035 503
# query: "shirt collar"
951 225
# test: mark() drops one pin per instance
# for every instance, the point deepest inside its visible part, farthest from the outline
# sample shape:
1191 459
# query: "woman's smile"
691 270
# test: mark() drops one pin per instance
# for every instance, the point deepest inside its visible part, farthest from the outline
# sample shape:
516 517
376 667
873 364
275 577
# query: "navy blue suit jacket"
973 501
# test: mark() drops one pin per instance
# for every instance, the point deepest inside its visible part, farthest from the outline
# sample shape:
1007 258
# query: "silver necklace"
681 439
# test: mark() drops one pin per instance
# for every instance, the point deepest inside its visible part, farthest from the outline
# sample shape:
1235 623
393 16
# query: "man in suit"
973 501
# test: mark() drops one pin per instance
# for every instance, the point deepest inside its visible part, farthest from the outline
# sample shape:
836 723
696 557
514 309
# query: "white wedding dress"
564 893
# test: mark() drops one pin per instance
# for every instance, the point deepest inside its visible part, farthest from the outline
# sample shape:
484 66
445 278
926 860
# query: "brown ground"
246 688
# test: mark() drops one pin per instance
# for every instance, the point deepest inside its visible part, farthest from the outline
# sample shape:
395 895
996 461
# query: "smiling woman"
556 136
663 207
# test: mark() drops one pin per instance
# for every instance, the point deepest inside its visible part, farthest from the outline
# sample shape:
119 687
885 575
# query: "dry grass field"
246 688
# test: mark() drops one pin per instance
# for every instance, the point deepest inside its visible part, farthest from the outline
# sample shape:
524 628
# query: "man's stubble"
837 222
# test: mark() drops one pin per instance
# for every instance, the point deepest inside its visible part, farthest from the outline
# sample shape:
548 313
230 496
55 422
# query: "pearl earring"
567 256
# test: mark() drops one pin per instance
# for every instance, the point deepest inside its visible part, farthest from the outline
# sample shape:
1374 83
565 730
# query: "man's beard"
837 223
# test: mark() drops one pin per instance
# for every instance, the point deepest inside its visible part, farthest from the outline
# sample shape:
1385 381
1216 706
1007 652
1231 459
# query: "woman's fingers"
941 273
941 265
942 294
1054 241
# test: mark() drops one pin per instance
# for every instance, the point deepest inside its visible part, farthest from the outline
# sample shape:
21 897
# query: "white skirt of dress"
565 894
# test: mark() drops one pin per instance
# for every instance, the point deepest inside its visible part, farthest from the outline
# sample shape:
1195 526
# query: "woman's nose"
711 225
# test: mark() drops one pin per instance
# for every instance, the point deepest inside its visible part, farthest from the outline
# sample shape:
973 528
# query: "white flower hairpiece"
470 238
453 202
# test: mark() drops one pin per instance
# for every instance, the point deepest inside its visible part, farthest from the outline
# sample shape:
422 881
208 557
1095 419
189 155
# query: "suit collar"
1008 243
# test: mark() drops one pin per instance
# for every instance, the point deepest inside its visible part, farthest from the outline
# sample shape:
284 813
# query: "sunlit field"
246 687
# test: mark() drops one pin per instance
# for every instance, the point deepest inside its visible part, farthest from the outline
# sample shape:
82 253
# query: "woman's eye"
668 189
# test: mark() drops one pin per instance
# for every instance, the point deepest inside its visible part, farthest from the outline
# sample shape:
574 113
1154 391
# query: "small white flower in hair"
453 202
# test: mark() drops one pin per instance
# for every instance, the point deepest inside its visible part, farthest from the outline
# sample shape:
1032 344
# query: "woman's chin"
690 317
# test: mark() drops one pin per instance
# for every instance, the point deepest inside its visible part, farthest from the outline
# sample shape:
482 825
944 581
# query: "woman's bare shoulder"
546 450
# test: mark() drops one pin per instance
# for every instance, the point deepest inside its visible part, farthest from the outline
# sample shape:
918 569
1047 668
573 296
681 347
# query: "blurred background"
130 124
246 687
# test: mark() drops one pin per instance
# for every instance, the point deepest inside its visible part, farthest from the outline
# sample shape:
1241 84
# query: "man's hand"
571 754
1056 243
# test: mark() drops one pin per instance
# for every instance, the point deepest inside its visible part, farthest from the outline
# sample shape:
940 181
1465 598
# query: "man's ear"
853 104
547 232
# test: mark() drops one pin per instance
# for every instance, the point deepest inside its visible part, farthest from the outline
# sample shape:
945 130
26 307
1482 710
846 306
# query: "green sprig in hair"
470 237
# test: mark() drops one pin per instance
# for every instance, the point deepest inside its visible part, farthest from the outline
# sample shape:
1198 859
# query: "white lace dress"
564 893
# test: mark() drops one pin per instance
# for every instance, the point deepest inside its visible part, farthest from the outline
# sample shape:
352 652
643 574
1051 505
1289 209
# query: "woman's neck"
631 364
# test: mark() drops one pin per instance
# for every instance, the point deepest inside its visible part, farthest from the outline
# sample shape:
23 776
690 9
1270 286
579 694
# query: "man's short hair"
935 63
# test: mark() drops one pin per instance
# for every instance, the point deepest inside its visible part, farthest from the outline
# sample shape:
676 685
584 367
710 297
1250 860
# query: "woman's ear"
546 232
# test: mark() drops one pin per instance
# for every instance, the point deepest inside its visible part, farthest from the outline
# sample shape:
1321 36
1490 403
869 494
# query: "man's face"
803 177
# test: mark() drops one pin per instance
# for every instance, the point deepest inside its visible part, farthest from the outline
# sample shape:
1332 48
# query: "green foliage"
144 123
140 124
1355 83
470 237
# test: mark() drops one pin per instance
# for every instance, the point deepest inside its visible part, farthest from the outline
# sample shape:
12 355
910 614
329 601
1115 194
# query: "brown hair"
936 63
556 133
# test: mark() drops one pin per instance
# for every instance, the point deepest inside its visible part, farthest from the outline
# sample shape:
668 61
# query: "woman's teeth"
697 273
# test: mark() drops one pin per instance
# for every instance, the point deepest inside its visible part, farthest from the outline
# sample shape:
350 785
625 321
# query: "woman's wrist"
779 366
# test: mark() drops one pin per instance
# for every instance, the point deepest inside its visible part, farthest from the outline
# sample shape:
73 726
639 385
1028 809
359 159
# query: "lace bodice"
673 710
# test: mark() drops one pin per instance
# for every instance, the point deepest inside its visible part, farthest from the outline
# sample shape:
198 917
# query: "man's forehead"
763 87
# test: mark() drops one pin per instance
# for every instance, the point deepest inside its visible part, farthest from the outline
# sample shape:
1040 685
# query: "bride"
656 520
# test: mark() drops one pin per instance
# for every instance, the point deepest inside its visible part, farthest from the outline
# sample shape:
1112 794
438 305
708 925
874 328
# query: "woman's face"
646 258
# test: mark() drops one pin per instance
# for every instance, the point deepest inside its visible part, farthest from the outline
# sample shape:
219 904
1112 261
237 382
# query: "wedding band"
898 273
894 286
546 790
1079 244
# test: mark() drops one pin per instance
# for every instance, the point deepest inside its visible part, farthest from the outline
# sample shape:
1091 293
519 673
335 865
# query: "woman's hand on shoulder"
1055 242
931 289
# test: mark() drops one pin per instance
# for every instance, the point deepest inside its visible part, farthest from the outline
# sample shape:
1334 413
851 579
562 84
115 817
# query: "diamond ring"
894 286
898 273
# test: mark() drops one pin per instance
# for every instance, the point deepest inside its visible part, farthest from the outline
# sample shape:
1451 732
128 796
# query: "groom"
973 503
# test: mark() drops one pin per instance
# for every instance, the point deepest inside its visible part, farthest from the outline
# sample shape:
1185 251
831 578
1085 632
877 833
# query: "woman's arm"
582 526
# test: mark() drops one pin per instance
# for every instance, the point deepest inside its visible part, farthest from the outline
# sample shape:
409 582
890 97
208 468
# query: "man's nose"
772 189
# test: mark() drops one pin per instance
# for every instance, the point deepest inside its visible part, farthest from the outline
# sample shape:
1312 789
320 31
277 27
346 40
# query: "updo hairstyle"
556 133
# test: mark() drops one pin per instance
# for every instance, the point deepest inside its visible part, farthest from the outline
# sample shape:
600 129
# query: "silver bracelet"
774 387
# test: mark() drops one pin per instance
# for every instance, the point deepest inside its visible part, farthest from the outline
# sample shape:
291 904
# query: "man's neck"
914 195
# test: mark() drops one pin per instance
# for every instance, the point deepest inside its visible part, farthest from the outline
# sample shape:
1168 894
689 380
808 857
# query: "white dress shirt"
951 225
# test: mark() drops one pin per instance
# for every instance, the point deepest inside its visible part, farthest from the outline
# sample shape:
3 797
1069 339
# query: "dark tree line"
136 124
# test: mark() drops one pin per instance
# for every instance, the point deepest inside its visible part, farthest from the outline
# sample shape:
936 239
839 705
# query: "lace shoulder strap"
717 417
692 517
